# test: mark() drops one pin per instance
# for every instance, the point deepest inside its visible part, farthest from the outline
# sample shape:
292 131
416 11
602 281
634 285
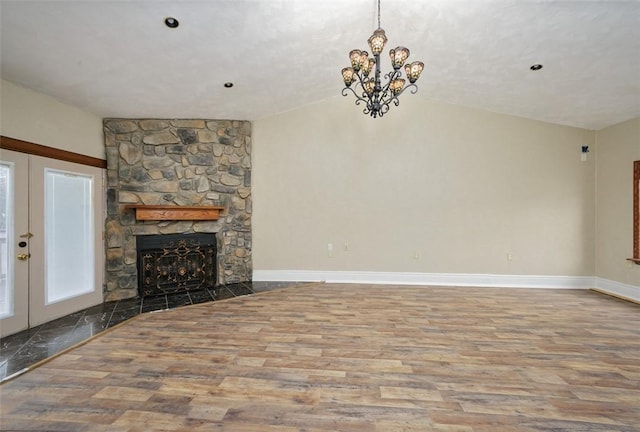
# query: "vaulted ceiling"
118 59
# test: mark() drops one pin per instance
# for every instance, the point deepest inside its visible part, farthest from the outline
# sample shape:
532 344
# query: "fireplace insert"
171 263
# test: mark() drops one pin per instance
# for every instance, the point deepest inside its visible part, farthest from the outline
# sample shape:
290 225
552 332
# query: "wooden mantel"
172 212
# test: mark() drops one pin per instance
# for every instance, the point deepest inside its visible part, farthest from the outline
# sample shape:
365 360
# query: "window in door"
6 238
69 245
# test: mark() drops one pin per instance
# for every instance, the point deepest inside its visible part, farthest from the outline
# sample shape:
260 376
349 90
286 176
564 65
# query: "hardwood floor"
20 351
350 358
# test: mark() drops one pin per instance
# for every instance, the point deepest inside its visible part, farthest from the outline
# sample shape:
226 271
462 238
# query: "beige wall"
618 147
38 118
458 188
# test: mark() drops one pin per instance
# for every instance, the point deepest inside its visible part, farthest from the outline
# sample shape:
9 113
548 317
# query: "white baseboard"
438 279
618 289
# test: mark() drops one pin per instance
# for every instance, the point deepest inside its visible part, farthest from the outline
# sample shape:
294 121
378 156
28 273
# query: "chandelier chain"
379 14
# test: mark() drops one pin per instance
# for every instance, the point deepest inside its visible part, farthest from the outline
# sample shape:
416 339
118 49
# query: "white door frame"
39 311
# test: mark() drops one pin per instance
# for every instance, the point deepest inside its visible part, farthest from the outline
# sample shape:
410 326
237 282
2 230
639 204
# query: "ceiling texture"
118 59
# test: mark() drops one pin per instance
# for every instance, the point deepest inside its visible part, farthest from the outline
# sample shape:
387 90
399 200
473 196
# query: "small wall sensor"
583 153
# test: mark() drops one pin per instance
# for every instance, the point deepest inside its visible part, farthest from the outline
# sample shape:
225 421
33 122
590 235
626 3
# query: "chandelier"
370 90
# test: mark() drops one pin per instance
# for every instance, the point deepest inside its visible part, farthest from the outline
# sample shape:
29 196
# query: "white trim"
446 279
619 289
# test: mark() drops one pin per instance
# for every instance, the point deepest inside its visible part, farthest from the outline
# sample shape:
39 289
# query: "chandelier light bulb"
377 41
364 60
397 85
398 57
369 86
413 71
354 56
348 76
366 68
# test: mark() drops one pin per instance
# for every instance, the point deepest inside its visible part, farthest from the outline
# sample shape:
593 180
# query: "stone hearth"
181 163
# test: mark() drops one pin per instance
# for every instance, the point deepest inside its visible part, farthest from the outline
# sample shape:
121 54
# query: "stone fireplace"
181 163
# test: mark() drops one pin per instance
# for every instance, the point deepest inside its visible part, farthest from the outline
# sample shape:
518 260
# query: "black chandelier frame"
377 97
378 103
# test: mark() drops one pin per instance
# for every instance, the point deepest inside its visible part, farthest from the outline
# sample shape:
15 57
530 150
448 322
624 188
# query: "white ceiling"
117 58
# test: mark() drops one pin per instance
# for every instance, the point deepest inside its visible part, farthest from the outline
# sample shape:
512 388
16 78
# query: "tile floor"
20 351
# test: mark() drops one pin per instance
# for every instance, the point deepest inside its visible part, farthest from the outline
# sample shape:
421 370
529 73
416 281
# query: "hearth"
173 263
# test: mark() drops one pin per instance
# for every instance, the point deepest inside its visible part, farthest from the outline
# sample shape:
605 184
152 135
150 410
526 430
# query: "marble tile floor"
24 349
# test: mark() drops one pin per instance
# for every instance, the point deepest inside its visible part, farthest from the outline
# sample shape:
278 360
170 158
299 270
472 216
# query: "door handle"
23 257
27 235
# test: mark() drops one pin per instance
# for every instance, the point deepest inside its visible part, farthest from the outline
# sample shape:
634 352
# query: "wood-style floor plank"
329 357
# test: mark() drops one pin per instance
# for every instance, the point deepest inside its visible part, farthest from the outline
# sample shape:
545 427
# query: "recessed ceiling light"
171 22
536 67
228 84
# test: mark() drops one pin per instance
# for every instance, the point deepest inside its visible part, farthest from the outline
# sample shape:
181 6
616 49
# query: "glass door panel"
14 242
7 170
69 243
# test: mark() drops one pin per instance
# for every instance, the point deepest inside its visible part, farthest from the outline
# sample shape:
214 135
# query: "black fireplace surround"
171 263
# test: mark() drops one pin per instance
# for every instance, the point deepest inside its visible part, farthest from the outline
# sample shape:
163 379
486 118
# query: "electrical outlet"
509 256
329 250
416 255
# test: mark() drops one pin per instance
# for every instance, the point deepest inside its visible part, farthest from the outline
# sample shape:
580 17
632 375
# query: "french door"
51 261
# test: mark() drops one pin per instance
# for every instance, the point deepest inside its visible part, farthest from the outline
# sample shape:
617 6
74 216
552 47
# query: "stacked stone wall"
182 163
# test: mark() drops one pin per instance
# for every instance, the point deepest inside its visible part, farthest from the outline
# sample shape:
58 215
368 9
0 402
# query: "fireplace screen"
176 262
